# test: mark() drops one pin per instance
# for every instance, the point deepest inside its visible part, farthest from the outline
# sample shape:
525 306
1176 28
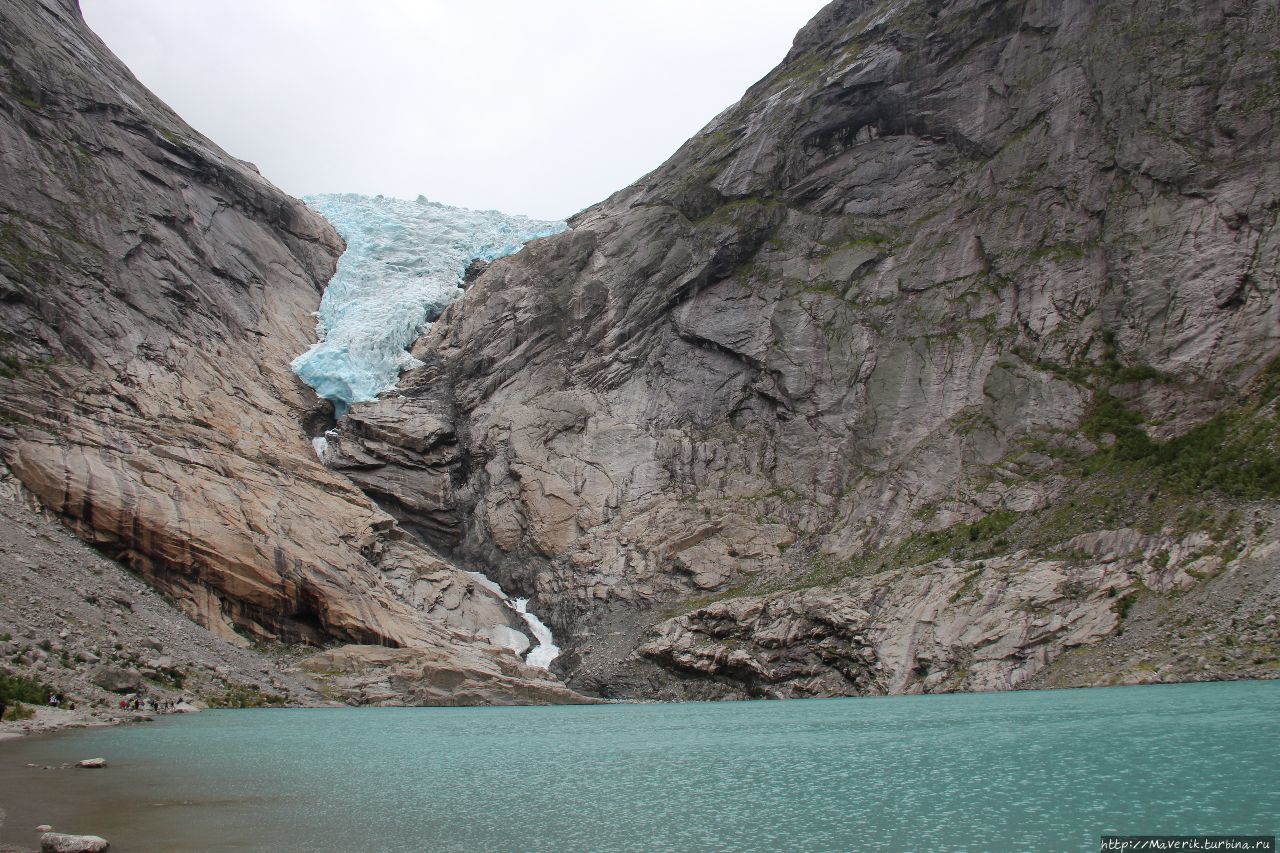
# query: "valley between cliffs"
944 356
944 360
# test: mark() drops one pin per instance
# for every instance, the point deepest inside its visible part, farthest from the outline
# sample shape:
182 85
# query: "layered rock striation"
955 284
153 290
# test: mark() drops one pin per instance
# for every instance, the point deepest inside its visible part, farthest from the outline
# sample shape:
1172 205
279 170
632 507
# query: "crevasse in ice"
403 264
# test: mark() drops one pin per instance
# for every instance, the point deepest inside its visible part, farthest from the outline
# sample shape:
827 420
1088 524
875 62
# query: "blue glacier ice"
403 265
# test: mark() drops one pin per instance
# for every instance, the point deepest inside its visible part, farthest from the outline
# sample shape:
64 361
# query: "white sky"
539 108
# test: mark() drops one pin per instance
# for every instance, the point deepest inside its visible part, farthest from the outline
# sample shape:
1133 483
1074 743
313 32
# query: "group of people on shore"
131 702
134 702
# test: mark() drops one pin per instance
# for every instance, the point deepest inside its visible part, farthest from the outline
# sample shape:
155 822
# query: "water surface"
1013 771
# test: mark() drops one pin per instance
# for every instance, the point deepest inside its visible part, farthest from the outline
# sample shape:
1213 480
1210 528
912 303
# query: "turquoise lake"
1039 771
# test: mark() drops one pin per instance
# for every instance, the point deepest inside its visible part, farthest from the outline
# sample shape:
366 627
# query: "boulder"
117 679
57 842
92 763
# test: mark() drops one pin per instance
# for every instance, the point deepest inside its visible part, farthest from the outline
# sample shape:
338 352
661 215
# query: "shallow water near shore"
1045 770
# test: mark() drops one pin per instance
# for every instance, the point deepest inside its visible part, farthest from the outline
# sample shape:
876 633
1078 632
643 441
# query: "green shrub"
1122 606
1136 373
245 696
990 526
1111 416
1234 453
18 711
15 690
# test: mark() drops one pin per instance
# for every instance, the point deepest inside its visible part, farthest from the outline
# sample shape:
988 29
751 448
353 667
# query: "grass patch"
739 210
705 601
19 88
981 538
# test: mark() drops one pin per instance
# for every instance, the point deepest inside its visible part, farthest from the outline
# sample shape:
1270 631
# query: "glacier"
403 264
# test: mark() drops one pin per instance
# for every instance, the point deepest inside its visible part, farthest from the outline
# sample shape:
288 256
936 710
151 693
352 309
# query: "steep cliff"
928 360
153 290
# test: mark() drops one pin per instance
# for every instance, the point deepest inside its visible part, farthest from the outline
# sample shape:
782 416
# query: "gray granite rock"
831 318
153 291
58 842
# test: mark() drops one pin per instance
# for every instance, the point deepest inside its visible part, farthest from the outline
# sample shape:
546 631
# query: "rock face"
153 290
948 625
942 264
935 363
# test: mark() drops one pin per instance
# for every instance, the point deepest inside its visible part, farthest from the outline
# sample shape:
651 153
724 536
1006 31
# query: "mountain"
153 292
945 359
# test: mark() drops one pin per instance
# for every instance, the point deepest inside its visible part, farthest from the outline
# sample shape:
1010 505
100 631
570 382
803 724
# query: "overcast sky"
539 108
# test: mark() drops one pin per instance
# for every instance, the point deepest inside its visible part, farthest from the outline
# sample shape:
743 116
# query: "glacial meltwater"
404 263
1041 771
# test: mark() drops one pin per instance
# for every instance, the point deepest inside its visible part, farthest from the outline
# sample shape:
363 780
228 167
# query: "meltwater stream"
546 650
403 265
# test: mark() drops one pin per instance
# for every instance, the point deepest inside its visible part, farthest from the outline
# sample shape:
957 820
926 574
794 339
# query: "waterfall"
542 654
546 651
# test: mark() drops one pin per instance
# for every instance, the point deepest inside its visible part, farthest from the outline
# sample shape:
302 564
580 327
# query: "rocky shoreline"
47 721
91 632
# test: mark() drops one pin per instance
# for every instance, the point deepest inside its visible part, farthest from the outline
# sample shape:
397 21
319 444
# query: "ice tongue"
403 265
